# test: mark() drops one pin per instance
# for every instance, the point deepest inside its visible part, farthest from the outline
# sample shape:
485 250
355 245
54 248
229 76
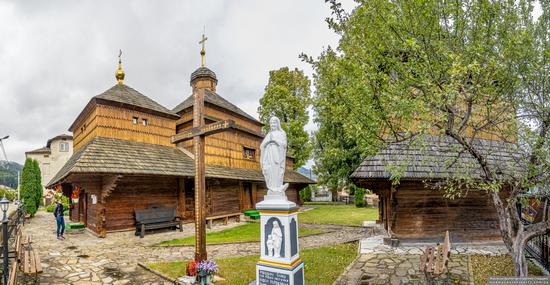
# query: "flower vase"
203 279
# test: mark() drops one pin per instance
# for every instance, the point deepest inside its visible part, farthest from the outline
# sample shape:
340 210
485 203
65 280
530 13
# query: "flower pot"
75 200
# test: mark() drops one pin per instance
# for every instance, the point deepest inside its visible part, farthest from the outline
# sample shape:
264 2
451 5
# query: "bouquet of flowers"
76 194
191 268
207 267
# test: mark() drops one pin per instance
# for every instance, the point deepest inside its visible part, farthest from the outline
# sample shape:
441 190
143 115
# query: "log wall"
135 192
116 122
425 214
223 196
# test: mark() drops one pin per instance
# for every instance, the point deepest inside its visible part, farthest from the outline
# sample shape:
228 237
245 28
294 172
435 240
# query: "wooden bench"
435 259
225 218
156 217
29 259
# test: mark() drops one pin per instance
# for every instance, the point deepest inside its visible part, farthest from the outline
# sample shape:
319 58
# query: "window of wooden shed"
144 121
135 120
249 153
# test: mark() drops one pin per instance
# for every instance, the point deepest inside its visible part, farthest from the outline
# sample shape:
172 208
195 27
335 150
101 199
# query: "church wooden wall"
116 122
135 192
426 214
292 192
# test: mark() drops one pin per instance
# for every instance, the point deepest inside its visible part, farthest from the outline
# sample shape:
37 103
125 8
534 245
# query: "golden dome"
119 75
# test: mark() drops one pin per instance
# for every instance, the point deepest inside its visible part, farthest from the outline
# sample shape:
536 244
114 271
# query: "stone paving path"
397 269
85 259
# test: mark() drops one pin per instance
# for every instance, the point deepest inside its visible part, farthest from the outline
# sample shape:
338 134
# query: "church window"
144 121
135 120
249 153
64 146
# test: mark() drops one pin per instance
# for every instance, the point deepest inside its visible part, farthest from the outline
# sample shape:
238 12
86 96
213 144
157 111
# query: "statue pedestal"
280 262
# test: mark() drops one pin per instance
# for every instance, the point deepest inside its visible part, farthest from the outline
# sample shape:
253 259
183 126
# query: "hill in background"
8 173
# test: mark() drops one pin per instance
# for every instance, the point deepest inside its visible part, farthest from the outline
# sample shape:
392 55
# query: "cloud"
56 55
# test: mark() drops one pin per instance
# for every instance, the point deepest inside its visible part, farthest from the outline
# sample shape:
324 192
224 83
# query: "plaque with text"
272 278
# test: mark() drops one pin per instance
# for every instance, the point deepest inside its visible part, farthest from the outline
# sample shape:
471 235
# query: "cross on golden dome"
203 52
119 75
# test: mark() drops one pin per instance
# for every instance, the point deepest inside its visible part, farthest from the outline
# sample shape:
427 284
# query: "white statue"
273 157
269 244
277 237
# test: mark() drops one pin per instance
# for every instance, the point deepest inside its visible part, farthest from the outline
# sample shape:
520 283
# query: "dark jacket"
58 212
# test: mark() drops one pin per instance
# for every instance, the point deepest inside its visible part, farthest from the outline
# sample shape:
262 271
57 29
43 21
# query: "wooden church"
124 159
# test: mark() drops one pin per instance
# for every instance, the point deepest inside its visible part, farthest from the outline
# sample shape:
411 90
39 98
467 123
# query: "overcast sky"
56 55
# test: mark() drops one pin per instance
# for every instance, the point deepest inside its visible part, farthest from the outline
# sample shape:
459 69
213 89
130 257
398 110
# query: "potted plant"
75 195
206 270
191 270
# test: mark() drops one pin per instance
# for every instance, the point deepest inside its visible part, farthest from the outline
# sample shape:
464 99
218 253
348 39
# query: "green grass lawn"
243 233
338 215
487 266
322 265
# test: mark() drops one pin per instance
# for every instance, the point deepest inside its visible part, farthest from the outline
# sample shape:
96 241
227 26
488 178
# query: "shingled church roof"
127 97
114 156
216 100
433 157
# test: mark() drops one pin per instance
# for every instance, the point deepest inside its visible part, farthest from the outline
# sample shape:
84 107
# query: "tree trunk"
518 256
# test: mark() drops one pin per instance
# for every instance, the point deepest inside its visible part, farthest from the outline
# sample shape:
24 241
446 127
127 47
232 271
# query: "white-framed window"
144 121
64 146
135 120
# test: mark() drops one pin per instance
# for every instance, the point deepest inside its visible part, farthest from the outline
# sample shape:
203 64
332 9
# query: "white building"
53 156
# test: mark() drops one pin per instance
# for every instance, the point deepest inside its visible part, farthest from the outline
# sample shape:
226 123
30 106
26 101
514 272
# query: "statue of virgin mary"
273 157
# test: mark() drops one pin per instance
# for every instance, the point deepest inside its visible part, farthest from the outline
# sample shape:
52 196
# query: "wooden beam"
203 130
254 194
181 198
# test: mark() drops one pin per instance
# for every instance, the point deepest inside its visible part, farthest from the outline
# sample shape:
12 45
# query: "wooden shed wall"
116 122
423 214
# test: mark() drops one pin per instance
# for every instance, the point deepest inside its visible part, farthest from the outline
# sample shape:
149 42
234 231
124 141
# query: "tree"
29 186
38 183
287 96
465 70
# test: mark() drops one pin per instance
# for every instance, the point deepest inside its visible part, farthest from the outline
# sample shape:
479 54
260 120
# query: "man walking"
58 213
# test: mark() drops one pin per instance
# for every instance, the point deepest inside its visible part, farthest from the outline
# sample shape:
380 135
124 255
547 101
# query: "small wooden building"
124 159
416 210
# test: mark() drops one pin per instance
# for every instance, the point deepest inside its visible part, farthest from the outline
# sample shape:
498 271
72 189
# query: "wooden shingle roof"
433 157
127 97
216 100
113 156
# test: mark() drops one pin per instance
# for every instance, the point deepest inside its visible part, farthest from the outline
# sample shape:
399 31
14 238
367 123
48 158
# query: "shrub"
10 194
305 194
50 208
359 197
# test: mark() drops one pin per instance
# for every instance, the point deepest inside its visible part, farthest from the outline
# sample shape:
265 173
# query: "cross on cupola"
203 52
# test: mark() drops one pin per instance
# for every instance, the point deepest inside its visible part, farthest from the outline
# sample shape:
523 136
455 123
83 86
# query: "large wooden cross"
198 133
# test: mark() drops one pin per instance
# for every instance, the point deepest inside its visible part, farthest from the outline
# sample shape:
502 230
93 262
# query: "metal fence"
10 226
538 249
